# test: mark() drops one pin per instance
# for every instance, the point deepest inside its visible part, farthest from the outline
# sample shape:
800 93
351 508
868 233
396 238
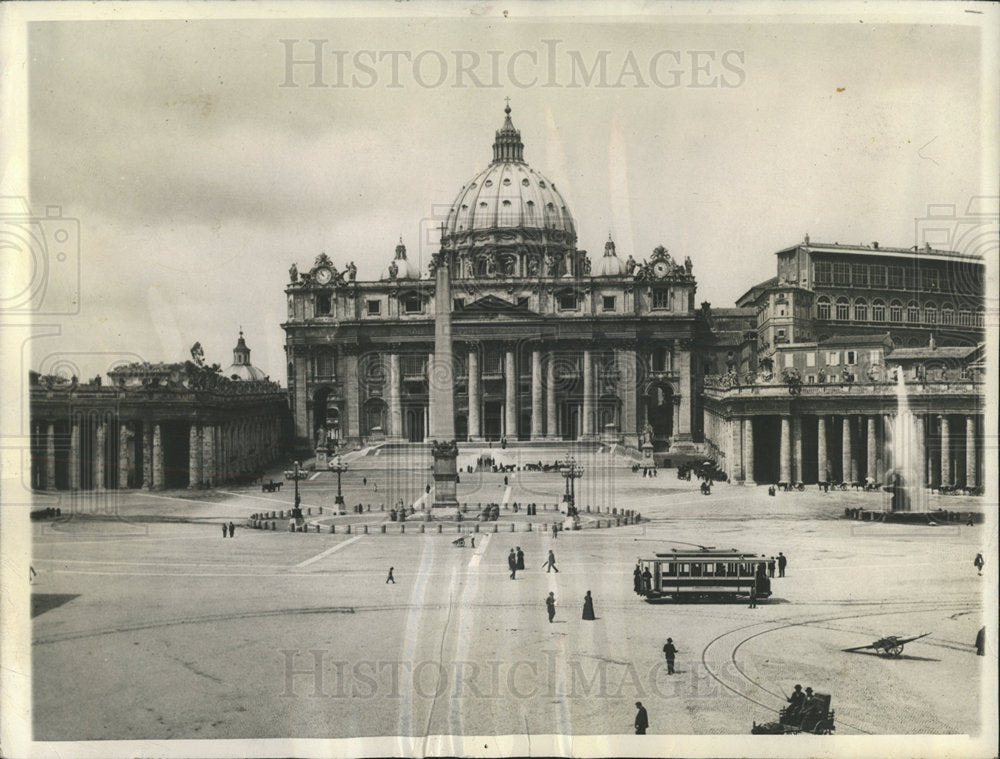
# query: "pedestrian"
520 558
979 562
364 481
512 563
375 485
588 607
506 481
390 578
232 529
981 641
473 541
641 719
555 530
637 579
782 563
427 489
550 605
647 581
770 567
669 652
753 595
225 530
551 562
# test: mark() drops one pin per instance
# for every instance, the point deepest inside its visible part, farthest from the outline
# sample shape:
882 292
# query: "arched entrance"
326 416
374 417
608 413
658 408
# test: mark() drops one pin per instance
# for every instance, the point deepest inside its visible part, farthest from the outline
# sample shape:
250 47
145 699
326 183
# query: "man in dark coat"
520 558
225 530
795 702
770 567
588 607
637 579
782 563
232 529
647 581
981 641
512 563
670 651
550 605
641 719
551 562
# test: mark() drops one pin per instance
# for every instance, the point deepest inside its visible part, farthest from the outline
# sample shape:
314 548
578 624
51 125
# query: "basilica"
550 343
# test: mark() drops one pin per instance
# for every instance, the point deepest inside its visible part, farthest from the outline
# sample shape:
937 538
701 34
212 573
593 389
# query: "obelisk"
442 393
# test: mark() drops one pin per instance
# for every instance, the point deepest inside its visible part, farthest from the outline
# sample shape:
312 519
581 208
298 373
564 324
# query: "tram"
706 573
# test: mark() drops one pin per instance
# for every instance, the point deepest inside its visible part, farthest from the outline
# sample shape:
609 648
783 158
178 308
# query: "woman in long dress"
588 607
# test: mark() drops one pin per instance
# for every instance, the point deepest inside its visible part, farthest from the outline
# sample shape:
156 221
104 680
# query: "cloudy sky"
200 166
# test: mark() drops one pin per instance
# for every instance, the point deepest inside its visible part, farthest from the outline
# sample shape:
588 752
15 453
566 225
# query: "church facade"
549 342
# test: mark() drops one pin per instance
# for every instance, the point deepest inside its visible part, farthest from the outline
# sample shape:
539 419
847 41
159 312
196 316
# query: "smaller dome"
400 268
610 265
241 368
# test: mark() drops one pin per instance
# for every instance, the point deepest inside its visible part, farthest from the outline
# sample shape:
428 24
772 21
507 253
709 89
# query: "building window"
896 311
413 366
522 301
567 302
822 273
457 304
979 317
823 308
324 307
661 298
412 304
896 277
833 358
930 313
912 313
965 318
492 362
929 279
852 358
789 360
810 379
325 366
374 307
876 274
859 275
910 278
608 302
878 311
660 360
874 357
843 309
810 359
948 314
841 274
861 310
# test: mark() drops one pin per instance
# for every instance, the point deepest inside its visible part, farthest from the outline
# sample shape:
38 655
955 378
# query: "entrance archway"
659 411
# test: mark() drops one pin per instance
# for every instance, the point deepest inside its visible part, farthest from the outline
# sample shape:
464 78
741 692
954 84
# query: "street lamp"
297 499
570 471
339 467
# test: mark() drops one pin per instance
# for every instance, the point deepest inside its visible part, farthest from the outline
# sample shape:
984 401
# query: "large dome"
510 220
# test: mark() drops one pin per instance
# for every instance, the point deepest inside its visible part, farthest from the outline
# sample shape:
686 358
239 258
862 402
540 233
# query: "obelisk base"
445 470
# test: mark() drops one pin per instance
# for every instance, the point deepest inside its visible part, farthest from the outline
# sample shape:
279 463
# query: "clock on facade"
323 275
661 269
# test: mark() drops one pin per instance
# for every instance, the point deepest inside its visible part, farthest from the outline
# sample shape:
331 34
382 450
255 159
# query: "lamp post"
570 471
339 467
297 499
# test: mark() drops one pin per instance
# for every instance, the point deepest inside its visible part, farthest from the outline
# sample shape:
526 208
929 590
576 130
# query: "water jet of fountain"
906 480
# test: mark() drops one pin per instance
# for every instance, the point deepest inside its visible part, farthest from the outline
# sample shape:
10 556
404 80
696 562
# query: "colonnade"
943 449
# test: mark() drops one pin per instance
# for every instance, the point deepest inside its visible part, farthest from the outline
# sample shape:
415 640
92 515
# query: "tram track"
913 606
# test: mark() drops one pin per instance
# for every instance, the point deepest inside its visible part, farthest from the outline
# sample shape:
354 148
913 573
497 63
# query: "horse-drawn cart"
815 716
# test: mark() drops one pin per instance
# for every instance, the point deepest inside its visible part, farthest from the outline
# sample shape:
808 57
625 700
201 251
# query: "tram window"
683 570
669 569
720 570
709 569
734 570
696 570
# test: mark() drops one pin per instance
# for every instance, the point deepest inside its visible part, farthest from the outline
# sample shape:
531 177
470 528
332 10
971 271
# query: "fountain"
906 479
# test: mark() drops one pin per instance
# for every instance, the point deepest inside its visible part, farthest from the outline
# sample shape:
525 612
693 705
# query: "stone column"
194 457
626 363
822 465
870 464
430 431
147 455
74 455
551 423
510 385
887 430
970 451
157 458
99 434
350 381
797 448
50 456
475 428
588 395
748 451
208 456
785 447
946 479
919 449
395 405
845 450
736 445
682 426
536 394
854 449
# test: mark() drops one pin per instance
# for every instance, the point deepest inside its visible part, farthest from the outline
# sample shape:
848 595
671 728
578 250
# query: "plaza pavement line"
327 552
314 476
185 500
248 495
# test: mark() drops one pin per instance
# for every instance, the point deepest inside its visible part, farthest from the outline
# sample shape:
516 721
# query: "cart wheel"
894 650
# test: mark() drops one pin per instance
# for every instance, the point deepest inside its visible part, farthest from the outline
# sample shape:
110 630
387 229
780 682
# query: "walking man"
232 529
390 578
551 563
647 581
225 530
641 719
520 558
670 651
512 563
782 563
770 567
753 595
550 604
978 563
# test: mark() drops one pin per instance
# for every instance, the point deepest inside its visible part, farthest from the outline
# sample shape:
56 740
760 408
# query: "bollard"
383 528
369 507
291 526
402 529
421 529
366 529
529 526
614 510
618 523
495 525
309 511
475 528
317 529
333 529
320 509
588 509
348 530
439 529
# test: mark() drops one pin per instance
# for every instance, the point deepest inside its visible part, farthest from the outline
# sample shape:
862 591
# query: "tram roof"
709 555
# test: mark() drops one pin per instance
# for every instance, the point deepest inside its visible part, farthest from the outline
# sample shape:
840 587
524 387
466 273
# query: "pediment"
491 305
